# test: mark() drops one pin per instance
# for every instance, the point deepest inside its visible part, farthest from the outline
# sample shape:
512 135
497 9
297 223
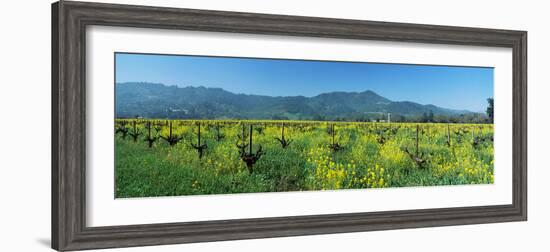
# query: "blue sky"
445 86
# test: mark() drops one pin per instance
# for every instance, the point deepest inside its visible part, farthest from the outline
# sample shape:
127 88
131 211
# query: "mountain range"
150 100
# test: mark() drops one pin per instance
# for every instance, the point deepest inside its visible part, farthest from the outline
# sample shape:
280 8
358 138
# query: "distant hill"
150 100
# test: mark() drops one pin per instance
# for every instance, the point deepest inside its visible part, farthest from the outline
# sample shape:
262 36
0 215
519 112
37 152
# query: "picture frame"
69 22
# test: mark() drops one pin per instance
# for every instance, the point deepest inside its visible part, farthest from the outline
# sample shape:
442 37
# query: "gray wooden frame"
69 20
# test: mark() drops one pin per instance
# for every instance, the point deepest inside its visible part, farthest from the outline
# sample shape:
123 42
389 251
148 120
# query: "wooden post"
448 135
250 141
149 129
417 140
332 131
199 136
170 129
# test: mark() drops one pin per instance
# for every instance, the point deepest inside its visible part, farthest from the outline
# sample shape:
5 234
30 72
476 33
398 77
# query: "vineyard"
186 157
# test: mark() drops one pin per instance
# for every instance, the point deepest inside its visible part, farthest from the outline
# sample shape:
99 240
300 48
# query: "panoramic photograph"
204 125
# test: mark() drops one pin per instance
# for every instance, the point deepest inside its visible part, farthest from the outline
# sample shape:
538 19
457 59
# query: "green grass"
306 164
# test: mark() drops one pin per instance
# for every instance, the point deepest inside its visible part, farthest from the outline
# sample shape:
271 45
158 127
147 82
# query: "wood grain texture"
69 21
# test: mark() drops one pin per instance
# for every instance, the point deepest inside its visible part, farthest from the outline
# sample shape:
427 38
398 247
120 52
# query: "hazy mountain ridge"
150 100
